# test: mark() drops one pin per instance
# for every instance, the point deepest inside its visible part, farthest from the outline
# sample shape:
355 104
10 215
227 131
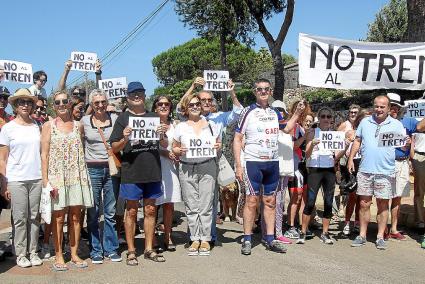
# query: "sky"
44 33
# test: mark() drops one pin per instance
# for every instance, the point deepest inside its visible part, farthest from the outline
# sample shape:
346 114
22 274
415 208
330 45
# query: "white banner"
392 139
114 87
144 128
332 140
415 108
216 80
200 147
16 71
83 61
345 64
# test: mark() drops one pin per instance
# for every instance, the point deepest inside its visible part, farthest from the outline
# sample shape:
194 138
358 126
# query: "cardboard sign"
200 147
415 108
332 140
392 139
359 65
114 88
16 71
144 128
83 61
216 80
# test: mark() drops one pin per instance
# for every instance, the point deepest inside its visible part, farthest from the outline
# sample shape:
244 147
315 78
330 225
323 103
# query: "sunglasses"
100 102
354 112
260 90
63 101
162 104
21 102
193 105
42 108
328 116
134 95
378 128
206 100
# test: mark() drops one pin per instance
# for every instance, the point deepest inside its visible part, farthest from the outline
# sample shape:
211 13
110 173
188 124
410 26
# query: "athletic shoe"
246 248
23 262
97 259
309 234
284 240
397 236
381 244
276 246
326 239
193 249
292 233
204 249
346 230
358 241
45 251
35 260
114 257
301 239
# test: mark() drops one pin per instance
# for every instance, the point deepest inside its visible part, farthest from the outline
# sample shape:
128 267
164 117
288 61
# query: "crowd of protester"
271 149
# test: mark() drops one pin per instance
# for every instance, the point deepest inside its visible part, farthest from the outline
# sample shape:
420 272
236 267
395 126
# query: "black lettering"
329 78
212 76
367 57
14 77
401 68
382 66
340 49
329 55
421 69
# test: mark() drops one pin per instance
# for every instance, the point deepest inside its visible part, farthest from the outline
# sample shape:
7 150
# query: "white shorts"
402 175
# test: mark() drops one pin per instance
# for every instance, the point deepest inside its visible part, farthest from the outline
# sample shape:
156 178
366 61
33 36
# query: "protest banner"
216 80
114 87
144 128
392 139
200 147
345 64
415 108
16 71
332 140
83 61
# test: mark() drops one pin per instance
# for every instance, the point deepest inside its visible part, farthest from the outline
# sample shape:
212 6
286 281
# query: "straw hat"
22 94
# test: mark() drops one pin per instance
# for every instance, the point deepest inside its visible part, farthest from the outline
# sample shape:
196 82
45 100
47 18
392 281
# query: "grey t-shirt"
95 150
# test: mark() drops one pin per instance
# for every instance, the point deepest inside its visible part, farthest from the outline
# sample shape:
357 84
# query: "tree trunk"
416 20
223 55
279 78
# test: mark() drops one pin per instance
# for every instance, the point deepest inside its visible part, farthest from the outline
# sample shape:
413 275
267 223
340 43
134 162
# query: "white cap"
279 104
395 99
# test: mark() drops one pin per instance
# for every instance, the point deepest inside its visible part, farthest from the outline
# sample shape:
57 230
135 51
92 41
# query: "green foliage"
322 95
390 24
245 96
288 59
175 92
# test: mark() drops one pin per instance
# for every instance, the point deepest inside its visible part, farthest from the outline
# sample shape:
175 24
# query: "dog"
229 199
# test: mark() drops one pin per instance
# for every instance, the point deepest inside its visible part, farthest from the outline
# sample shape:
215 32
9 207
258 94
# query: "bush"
322 95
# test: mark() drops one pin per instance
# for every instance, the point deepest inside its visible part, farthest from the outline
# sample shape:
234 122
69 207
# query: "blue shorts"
137 191
262 174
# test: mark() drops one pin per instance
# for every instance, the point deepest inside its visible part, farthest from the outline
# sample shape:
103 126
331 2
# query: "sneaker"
358 241
397 236
23 262
45 251
301 239
284 240
246 248
326 239
381 244
309 234
276 246
347 230
193 249
35 260
97 259
114 257
292 233
204 249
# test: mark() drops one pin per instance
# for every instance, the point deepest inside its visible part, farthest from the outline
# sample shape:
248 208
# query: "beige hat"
22 93
395 99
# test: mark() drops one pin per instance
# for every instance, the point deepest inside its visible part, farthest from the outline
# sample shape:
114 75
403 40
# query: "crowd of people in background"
272 149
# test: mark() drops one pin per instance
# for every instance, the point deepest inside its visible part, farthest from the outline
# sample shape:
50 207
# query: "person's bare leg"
168 222
364 214
130 223
47 232
295 204
58 219
269 211
395 211
74 231
249 213
325 224
382 205
349 209
149 221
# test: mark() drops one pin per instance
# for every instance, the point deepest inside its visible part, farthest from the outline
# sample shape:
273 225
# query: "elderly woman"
64 170
20 169
197 174
100 123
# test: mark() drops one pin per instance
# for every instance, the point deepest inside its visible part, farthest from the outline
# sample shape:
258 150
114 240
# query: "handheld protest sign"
392 139
114 87
415 108
332 141
216 80
16 71
144 128
83 61
200 147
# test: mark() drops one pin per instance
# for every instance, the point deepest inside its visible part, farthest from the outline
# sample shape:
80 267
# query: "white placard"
415 108
114 87
16 71
392 139
216 80
83 61
346 64
200 147
332 140
144 128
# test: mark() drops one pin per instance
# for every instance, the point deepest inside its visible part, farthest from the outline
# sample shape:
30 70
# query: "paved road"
313 262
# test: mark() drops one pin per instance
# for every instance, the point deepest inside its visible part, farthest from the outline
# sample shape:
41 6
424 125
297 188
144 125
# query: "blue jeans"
101 181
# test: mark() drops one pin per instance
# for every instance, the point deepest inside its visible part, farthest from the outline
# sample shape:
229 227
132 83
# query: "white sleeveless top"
320 158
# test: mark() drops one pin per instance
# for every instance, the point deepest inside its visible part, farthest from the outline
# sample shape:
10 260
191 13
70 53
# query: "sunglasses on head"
63 101
260 90
162 104
192 105
328 116
22 102
100 102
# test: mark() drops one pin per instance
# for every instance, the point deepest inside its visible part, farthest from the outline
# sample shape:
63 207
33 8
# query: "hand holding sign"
300 108
83 61
199 81
201 147
144 128
114 87
392 139
332 140
216 80
17 71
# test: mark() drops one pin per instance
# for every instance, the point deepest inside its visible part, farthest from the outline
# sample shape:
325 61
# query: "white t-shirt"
36 92
24 162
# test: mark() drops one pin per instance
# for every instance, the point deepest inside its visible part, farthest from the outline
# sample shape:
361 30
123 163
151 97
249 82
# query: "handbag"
113 161
226 175
286 154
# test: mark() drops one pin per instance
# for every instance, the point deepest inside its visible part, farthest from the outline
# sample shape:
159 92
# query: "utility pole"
86 85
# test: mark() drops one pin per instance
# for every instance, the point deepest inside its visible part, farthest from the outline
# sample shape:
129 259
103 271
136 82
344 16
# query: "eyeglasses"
207 100
378 128
354 112
22 102
63 101
42 108
260 90
100 102
162 104
193 105
43 80
137 94
328 116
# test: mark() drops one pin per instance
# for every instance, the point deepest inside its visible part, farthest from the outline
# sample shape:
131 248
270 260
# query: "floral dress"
67 169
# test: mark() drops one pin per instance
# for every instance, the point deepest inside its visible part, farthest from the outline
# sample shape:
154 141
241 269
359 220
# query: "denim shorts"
378 185
137 191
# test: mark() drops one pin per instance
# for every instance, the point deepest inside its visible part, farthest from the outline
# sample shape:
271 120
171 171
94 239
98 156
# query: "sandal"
59 267
132 259
152 255
79 264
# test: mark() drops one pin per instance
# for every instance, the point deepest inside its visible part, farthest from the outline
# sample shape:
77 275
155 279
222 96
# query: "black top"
140 159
